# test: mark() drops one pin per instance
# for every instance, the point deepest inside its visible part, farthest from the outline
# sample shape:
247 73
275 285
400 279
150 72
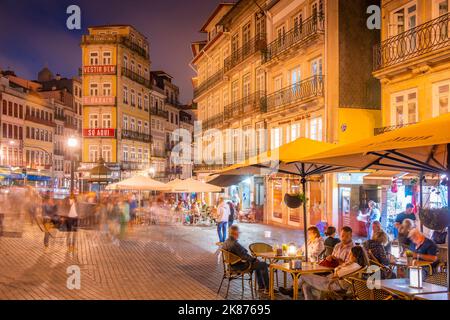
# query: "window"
93 121
106 120
146 128
107 89
139 126
132 124
125 153
125 95
125 122
93 153
139 100
404 108
106 153
281 35
296 75
234 43
295 131
235 91
315 129
125 62
298 23
403 19
133 98
441 101
276 138
107 59
246 36
139 70
260 80
440 7
316 67
93 58
133 66
93 89
260 25
132 153
146 103
246 86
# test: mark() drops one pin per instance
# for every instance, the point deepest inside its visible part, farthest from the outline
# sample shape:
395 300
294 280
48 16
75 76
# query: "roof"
108 26
215 13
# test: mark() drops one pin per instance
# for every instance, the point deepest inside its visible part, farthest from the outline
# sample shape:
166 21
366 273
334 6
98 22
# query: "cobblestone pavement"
152 262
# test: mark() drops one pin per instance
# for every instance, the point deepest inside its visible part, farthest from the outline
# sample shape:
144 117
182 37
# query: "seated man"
341 251
313 285
423 248
232 245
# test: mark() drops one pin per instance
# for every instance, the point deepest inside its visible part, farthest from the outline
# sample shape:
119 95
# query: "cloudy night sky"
33 33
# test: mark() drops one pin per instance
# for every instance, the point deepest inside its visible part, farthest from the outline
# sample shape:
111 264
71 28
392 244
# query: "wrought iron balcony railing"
135 135
298 92
39 120
135 77
160 113
209 83
159 153
213 122
134 165
299 35
257 44
245 106
378 131
59 117
421 40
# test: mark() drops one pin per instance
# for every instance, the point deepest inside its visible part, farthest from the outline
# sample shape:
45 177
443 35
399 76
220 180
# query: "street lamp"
72 143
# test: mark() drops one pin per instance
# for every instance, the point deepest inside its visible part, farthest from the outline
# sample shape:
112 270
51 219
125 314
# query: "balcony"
174 103
208 167
299 36
114 39
213 122
58 152
159 113
38 120
209 83
134 165
136 77
419 42
59 117
244 107
303 91
378 131
136 136
257 44
158 153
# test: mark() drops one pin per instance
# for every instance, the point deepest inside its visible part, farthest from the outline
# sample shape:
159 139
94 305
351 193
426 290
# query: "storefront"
279 214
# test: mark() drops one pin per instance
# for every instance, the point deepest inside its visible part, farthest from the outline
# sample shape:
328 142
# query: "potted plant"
434 219
294 201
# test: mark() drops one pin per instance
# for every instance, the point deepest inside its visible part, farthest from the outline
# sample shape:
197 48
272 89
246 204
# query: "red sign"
99 100
103 69
99 133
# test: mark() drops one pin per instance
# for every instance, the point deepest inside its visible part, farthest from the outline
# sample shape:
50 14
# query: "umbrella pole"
421 197
305 231
448 208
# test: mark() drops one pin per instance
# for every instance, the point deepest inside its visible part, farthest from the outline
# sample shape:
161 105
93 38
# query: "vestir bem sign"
100 69
99 133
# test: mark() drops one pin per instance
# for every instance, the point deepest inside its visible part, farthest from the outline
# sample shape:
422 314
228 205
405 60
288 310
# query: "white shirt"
346 269
73 211
315 248
224 212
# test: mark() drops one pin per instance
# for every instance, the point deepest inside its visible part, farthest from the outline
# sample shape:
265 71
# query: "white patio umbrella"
191 185
111 187
141 183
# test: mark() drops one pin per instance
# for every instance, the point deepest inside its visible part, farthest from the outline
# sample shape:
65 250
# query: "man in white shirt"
223 212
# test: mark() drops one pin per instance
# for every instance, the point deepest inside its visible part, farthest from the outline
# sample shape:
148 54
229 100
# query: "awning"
420 147
225 180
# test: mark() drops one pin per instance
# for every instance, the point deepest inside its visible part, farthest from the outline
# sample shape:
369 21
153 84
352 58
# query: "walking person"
373 215
49 217
223 212
232 213
72 224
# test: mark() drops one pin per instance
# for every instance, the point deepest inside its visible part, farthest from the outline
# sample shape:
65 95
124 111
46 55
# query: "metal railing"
213 122
257 44
299 35
413 43
135 77
160 113
378 131
300 91
39 120
209 83
135 135
245 106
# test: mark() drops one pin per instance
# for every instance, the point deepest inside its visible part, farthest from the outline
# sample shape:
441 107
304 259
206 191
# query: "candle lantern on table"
292 250
415 277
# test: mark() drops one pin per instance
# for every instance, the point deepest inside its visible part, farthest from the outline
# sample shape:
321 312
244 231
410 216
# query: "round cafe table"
272 257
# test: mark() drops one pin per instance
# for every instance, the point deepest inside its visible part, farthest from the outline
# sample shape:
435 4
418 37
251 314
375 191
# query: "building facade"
284 70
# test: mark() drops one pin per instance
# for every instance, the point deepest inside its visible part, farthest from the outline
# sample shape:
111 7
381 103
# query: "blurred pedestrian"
72 224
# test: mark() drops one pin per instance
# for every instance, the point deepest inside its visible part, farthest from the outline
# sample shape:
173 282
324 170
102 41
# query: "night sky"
34 34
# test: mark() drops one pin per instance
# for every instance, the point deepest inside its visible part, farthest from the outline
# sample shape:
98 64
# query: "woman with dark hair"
72 224
313 285
315 244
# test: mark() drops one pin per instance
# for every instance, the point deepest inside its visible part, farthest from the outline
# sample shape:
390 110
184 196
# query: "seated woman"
331 241
313 285
315 244
375 247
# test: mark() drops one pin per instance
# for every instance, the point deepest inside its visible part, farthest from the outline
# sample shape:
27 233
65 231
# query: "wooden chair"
344 293
261 247
362 292
229 260
438 278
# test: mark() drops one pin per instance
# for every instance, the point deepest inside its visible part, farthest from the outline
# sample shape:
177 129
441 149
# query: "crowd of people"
345 255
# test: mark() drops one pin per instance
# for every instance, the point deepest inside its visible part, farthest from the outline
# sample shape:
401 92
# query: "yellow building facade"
116 98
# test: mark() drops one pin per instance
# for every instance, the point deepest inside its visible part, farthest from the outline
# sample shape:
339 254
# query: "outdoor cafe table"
434 296
307 268
273 258
401 286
